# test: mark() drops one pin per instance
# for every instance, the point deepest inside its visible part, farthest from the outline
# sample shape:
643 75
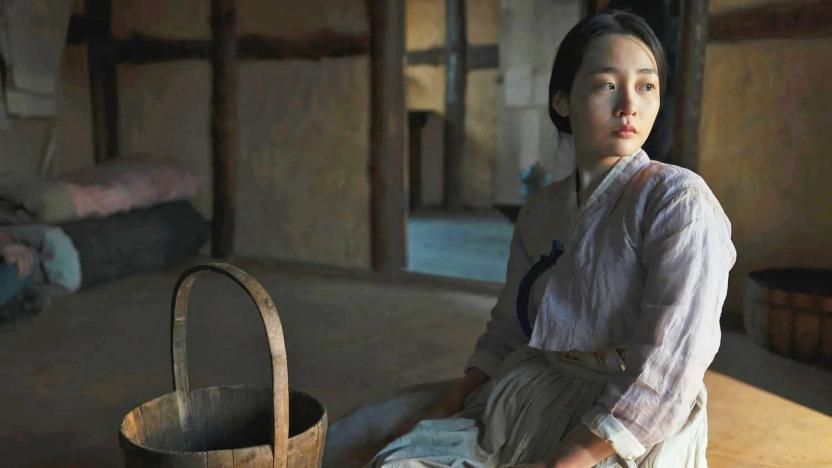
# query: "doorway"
509 52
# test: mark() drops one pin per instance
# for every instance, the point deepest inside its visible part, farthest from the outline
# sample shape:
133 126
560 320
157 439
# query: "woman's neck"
590 172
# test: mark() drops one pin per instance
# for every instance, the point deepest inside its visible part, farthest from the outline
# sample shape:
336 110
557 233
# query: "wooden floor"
750 427
70 375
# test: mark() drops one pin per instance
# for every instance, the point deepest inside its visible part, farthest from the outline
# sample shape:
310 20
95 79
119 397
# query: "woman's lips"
625 132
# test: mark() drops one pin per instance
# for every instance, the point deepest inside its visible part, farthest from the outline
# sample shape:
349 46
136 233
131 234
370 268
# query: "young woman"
625 321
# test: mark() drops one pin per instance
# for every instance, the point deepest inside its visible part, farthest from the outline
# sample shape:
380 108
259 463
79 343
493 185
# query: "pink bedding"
127 183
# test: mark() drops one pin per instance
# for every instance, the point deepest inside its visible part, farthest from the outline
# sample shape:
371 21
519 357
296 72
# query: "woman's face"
614 99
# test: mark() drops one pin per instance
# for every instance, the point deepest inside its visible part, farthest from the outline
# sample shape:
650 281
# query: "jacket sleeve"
687 253
503 334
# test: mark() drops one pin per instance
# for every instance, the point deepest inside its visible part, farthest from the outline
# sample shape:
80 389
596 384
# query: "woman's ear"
560 103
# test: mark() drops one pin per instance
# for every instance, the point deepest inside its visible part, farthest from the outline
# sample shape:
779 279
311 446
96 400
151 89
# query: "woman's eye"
608 86
649 86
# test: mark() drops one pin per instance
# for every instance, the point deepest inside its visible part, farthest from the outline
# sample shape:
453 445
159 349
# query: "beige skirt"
533 401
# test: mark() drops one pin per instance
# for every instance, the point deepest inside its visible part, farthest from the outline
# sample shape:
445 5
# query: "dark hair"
573 48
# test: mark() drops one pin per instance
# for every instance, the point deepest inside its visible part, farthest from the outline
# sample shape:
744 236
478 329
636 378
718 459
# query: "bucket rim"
802 280
159 451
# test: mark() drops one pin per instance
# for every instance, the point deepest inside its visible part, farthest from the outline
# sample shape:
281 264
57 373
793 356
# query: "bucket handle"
277 349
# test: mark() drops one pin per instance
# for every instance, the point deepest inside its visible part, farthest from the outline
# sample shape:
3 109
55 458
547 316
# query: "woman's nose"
626 105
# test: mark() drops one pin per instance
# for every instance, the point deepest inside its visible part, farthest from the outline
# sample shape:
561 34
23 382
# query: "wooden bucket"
790 312
232 425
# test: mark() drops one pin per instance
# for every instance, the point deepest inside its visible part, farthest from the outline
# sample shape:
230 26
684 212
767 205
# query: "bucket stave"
228 426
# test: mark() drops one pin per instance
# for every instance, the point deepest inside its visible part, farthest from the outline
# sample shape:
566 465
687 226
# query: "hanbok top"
644 271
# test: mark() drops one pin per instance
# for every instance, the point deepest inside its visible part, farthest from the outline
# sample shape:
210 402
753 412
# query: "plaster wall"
424 24
718 6
530 33
22 142
481 132
302 189
164 112
764 150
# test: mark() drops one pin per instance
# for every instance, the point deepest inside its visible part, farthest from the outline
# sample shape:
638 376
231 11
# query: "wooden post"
456 72
690 76
224 124
103 83
416 122
388 136
592 7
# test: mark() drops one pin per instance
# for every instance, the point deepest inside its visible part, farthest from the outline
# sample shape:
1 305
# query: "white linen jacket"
644 271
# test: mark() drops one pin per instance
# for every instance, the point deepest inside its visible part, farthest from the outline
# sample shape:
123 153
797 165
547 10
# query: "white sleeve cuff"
604 425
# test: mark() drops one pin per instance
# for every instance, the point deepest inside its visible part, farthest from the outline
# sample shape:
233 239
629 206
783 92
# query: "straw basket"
226 426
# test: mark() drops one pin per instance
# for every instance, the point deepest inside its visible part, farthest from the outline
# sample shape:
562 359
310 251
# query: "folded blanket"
137 241
113 187
127 183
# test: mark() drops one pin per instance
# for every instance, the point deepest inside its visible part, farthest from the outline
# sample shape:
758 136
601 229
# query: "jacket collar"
614 181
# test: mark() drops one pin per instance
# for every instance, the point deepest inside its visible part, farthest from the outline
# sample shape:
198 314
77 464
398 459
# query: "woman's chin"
622 147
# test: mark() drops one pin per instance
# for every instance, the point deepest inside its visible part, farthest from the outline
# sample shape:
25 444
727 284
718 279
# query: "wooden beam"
82 29
480 57
314 47
416 122
145 49
141 48
103 81
787 20
483 57
456 81
388 136
224 123
433 56
690 76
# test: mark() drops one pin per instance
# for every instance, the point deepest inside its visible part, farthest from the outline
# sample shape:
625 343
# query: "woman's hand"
580 449
20 256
